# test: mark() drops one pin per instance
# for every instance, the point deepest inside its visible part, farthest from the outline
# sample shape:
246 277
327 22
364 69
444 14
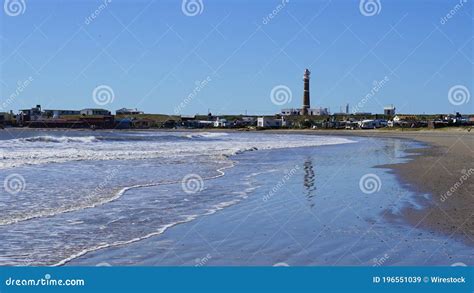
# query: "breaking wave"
59 139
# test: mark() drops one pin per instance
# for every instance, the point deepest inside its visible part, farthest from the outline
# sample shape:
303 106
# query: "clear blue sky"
151 54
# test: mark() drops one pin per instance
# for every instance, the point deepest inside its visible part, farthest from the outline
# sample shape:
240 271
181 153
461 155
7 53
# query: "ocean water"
134 197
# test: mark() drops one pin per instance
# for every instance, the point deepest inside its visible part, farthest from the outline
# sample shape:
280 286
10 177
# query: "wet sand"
444 169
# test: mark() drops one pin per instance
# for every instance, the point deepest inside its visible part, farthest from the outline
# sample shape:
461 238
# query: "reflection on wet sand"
309 181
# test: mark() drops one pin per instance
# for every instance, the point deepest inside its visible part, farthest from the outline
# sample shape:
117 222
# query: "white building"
318 112
267 122
221 122
125 111
290 112
91 111
311 112
59 113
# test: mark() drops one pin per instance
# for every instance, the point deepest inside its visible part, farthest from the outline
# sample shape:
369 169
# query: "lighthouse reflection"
309 181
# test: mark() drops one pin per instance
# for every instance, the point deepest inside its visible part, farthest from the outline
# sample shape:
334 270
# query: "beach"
258 198
444 169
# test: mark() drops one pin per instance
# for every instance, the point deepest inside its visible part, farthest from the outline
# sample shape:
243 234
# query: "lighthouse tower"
306 100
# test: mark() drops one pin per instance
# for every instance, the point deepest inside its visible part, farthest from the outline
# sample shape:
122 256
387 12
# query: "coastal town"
292 118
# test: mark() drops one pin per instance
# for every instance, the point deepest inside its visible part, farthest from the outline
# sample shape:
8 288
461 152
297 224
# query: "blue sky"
152 55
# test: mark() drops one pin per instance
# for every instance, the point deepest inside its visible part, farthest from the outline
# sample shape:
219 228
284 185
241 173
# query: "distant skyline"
229 57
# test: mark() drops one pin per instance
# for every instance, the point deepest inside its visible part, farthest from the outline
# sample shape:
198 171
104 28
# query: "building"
290 112
267 122
32 114
318 111
310 112
400 118
221 122
91 111
406 121
389 110
306 99
125 111
58 113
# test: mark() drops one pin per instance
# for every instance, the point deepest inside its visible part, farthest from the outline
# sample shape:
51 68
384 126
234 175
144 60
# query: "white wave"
161 230
206 135
92 202
15 154
59 139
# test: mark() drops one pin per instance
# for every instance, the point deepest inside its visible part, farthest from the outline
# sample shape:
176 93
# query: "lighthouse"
306 100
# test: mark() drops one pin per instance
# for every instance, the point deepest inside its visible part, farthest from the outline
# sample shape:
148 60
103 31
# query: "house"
249 120
125 111
58 113
290 112
92 111
267 122
318 112
32 114
220 122
406 121
400 118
